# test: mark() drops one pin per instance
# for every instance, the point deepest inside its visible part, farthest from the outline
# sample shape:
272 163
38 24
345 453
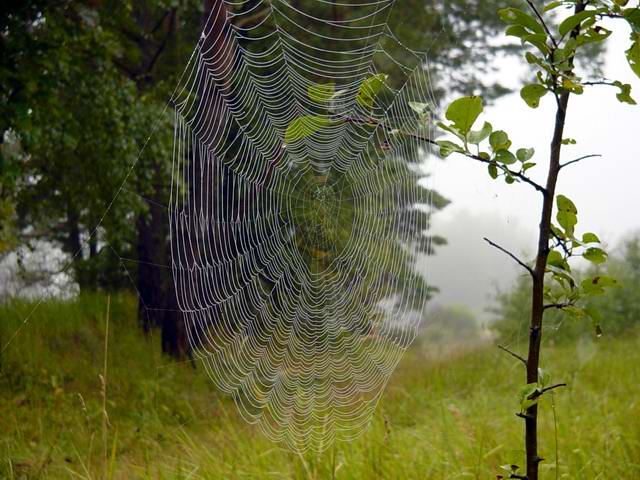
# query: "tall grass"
440 418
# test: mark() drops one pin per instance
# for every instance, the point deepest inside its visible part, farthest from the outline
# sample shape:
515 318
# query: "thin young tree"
552 52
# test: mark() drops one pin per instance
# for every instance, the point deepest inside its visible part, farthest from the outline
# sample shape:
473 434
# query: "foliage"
618 311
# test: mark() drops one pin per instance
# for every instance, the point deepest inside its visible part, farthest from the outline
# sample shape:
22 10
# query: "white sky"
606 190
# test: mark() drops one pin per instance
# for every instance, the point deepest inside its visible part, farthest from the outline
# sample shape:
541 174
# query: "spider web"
296 213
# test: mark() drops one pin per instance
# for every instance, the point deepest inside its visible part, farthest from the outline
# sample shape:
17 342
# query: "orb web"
297 212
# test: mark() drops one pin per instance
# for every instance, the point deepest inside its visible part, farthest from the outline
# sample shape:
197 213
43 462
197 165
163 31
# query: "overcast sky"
606 190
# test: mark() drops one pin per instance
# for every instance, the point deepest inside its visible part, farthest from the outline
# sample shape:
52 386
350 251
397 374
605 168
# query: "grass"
440 418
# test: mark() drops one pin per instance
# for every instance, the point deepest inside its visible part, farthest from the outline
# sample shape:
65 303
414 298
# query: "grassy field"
440 418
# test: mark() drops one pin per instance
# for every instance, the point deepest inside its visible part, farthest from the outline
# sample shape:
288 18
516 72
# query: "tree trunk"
537 296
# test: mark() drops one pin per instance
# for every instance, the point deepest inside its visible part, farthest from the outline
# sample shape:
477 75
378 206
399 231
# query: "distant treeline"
619 307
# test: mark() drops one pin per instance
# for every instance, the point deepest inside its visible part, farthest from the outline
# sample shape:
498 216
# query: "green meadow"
66 413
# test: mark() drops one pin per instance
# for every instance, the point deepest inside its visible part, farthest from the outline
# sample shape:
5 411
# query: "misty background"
467 270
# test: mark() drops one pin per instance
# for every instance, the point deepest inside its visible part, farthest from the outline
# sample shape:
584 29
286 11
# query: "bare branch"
518 261
579 159
599 82
513 354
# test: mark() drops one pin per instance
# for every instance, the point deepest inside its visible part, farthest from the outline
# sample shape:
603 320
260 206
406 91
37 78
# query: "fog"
605 190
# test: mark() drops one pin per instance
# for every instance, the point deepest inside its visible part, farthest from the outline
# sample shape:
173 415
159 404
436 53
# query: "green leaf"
525 393
544 378
572 86
595 255
369 89
499 140
596 318
597 284
574 20
516 16
475 137
633 57
624 96
451 129
493 170
532 94
423 111
532 59
590 238
632 15
304 126
556 259
419 108
506 157
538 40
567 215
550 6
517 31
568 141
447 148
525 154
463 112
593 35
321 92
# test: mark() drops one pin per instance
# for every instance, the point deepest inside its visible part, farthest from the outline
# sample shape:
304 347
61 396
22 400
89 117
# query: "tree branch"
478 158
544 24
579 159
513 354
537 393
504 250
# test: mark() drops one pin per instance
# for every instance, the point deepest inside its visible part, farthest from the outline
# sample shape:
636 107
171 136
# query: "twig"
544 24
559 306
504 250
562 243
538 393
599 82
513 354
579 159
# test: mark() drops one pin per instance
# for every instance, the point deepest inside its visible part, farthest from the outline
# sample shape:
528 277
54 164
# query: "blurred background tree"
619 309
83 85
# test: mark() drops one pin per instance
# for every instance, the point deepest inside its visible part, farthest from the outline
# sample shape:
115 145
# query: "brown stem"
537 293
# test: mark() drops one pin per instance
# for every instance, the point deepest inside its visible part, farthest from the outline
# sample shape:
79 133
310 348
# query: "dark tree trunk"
157 305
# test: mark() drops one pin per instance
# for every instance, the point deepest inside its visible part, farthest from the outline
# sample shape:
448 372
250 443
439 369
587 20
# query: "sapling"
552 39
